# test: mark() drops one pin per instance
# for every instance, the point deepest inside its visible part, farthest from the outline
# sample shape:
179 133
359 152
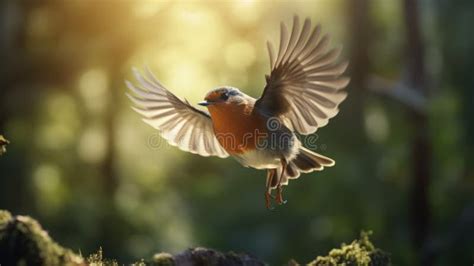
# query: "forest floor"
24 242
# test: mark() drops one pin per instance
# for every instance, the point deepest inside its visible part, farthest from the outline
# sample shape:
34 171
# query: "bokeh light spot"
92 145
58 129
93 85
47 182
376 124
46 177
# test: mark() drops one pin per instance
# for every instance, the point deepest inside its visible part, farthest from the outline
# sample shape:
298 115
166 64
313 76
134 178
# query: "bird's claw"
279 197
281 201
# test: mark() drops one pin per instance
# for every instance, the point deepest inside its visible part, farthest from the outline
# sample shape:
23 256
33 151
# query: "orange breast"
236 127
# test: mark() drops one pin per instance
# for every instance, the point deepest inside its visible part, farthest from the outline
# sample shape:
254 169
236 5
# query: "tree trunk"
421 143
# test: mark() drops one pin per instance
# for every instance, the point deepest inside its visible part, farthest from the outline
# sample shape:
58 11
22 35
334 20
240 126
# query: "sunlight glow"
187 77
197 32
246 11
239 55
147 9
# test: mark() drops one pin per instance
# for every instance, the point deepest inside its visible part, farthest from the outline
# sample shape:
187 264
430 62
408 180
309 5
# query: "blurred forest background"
85 165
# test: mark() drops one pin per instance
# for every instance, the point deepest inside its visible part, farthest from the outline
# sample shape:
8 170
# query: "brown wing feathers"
178 122
304 86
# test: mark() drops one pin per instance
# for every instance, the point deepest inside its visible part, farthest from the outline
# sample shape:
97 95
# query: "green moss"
163 259
5 216
360 252
3 145
24 242
97 259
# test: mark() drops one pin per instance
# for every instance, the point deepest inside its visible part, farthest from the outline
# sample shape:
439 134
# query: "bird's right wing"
178 122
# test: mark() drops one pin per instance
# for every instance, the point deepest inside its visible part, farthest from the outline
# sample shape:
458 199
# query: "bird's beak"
204 103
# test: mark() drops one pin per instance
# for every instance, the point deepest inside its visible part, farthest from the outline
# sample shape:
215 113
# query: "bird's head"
223 96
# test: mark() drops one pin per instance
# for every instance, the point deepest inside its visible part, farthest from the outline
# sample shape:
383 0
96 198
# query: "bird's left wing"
179 123
305 84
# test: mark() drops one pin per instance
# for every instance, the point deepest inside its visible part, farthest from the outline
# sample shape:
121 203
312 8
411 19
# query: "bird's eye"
225 96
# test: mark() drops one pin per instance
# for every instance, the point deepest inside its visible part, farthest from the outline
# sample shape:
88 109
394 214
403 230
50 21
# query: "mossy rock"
204 256
360 252
24 242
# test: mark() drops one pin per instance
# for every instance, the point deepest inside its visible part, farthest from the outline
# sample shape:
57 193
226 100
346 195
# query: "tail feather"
292 170
305 162
321 159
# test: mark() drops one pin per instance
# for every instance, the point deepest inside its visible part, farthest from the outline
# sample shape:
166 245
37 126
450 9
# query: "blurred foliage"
93 173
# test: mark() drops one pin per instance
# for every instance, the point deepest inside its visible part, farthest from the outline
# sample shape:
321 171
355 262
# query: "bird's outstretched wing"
178 122
305 83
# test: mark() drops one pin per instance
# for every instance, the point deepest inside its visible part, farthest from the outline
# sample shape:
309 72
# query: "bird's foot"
279 196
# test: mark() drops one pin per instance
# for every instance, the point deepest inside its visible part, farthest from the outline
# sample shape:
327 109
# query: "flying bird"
302 92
